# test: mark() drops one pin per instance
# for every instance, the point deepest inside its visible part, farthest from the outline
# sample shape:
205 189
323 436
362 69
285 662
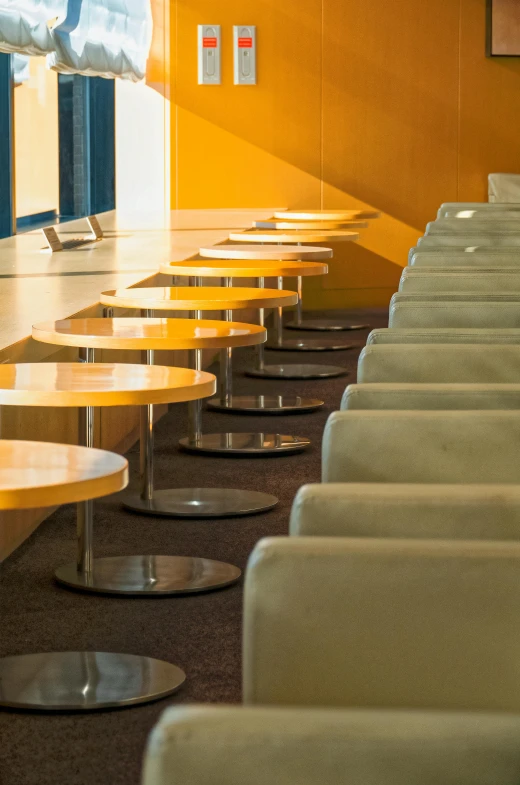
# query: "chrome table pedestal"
319 325
235 444
149 576
84 681
263 404
282 344
296 371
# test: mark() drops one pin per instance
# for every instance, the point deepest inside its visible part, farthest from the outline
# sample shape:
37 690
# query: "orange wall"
389 105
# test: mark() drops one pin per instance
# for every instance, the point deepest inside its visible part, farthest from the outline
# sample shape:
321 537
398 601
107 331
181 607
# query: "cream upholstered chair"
481 335
234 745
422 280
383 623
412 510
425 397
470 240
488 258
443 313
422 446
440 364
400 298
484 207
489 225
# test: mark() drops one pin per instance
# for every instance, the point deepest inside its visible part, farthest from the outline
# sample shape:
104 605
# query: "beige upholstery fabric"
442 257
503 187
469 240
422 280
455 314
425 397
440 364
488 225
447 207
483 215
422 446
417 511
401 298
243 745
480 335
386 623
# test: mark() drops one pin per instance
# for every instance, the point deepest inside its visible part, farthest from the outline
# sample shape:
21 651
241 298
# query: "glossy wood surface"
42 474
191 298
268 252
156 333
326 215
293 237
243 268
40 286
100 384
310 225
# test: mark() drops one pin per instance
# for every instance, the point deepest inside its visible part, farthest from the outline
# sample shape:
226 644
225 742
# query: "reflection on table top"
243 268
130 333
268 252
100 384
190 298
326 215
42 474
296 236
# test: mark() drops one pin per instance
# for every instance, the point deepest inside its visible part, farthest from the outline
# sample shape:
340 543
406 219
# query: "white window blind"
24 25
108 38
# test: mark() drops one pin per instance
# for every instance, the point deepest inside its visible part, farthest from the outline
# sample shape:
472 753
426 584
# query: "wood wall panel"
489 107
249 146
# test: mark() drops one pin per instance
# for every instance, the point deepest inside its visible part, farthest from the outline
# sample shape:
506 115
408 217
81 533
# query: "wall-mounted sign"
503 28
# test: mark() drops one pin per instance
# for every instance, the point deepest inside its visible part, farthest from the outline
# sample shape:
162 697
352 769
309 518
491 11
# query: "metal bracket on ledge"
54 244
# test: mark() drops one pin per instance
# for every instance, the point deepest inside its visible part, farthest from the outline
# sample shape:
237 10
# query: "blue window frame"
86 117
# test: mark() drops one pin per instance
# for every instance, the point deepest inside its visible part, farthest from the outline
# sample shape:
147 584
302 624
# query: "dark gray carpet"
200 633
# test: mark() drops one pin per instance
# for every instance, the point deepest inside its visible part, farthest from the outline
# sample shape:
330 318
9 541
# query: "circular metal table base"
254 444
297 371
84 681
149 576
266 404
302 345
325 325
201 502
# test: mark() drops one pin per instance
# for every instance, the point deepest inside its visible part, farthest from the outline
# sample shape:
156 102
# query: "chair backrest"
441 364
384 335
469 240
423 280
434 397
422 446
489 225
400 298
420 256
476 313
256 745
416 511
386 623
488 207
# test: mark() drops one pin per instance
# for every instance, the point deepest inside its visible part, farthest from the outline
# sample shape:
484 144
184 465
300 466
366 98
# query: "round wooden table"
309 225
298 235
227 298
294 236
277 254
326 215
295 253
196 269
86 385
42 474
170 334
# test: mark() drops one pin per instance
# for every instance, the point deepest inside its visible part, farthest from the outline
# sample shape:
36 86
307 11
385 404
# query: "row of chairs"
382 637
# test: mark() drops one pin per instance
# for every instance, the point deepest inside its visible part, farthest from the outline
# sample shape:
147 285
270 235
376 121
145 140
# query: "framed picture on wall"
503 28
